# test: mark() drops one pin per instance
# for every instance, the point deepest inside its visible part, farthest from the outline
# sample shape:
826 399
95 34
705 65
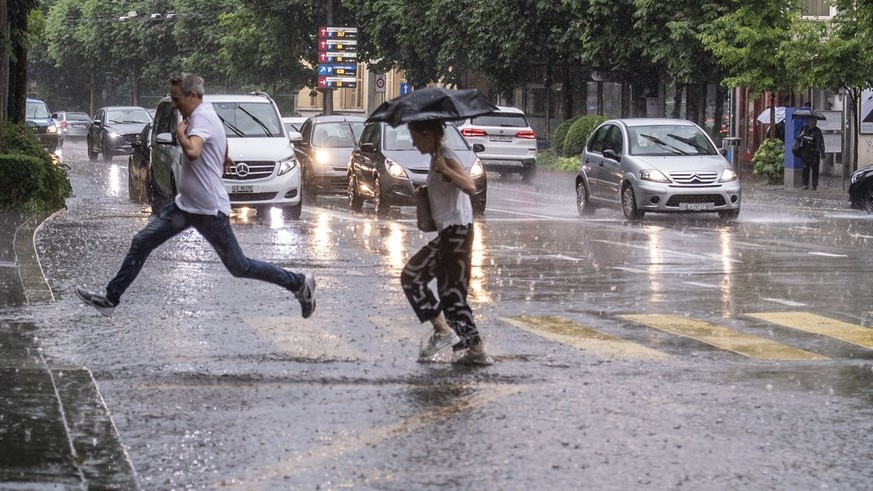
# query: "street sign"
329 70
380 83
337 33
337 57
337 82
405 88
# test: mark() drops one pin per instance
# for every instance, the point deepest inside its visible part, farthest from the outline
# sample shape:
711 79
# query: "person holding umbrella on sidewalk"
447 257
812 148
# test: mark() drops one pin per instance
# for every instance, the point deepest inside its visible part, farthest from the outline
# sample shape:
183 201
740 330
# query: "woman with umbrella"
448 257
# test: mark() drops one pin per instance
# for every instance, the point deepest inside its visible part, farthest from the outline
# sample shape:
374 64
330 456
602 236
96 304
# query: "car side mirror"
54 115
723 152
164 138
611 154
295 136
478 147
368 148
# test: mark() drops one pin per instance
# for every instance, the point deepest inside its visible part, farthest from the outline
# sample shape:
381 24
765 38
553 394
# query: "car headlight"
51 129
856 177
395 169
728 175
322 157
653 175
113 135
286 165
477 170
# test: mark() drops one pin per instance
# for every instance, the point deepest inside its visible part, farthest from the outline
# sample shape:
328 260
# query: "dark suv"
40 119
114 129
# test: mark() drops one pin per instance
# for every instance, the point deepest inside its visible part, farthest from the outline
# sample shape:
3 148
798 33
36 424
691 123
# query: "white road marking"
826 254
789 303
703 285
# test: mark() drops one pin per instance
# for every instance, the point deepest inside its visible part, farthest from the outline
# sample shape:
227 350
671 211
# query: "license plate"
501 138
242 189
698 206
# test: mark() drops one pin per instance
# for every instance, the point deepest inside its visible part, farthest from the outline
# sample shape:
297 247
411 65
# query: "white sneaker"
471 357
437 343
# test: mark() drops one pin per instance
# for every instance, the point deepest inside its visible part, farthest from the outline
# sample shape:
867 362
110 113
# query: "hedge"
578 134
30 179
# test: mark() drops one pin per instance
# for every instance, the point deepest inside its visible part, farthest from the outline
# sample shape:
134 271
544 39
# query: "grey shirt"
201 189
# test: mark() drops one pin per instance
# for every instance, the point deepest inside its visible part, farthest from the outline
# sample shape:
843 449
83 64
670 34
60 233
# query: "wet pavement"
57 433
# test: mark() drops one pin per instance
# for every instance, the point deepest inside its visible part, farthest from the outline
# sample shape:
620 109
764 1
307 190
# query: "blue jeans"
171 221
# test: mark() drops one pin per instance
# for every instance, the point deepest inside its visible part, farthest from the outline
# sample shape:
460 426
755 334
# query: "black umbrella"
808 114
432 103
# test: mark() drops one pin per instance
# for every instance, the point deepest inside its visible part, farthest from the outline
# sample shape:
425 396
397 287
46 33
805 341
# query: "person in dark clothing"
812 152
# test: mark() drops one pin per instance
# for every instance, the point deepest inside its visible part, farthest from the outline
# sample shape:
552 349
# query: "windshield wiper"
231 127
256 120
690 141
660 143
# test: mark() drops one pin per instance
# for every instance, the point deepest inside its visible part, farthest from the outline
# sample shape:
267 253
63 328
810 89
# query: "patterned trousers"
446 258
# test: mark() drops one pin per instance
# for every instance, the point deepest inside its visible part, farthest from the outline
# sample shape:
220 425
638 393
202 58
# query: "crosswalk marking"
817 324
584 338
724 338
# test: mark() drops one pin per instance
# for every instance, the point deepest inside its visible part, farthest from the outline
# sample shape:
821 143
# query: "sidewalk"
55 430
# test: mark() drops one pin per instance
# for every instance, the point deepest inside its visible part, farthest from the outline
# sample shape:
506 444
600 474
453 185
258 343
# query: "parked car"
293 123
138 182
114 129
323 153
40 119
73 125
265 172
386 169
861 189
509 143
655 165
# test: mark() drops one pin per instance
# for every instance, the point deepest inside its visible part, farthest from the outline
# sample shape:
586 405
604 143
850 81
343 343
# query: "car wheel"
729 214
629 204
866 199
92 155
355 200
379 202
133 193
107 152
479 204
528 175
307 188
293 212
583 203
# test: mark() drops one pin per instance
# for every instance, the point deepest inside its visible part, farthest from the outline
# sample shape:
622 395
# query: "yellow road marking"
259 478
816 324
304 339
722 337
584 338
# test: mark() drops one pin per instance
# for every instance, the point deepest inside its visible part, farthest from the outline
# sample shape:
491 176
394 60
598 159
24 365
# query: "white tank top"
448 204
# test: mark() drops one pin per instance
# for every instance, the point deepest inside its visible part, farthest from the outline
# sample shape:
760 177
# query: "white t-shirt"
201 189
448 204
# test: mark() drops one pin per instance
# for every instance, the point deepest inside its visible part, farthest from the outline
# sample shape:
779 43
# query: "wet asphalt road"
671 353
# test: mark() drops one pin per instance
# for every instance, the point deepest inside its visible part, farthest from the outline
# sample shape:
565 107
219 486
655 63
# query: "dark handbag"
422 211
797 147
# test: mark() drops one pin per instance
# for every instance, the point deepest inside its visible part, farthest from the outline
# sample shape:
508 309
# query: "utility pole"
327 91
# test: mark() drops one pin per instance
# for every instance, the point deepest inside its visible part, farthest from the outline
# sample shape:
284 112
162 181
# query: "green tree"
748 42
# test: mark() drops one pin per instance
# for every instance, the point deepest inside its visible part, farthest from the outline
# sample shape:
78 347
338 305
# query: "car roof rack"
262 94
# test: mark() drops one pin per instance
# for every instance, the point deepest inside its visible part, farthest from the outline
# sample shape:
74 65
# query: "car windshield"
337 134
506 120
399 139
121 116
77 117
249 119
37 110
669 140
291 127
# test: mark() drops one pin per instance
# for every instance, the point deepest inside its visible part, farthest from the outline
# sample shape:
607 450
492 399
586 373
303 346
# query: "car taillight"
63 125
473 132
526 134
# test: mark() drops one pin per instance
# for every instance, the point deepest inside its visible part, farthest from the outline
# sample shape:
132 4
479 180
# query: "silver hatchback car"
656 165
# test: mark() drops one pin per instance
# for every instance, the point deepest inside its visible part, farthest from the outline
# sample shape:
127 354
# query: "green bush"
30 178
559 135
769 160
578 134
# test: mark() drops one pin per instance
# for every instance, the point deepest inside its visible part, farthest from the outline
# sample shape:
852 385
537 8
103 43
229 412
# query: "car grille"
675 200
234 197
246 171
694 177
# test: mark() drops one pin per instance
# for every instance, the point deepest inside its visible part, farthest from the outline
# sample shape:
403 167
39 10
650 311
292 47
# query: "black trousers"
810 165
446 258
